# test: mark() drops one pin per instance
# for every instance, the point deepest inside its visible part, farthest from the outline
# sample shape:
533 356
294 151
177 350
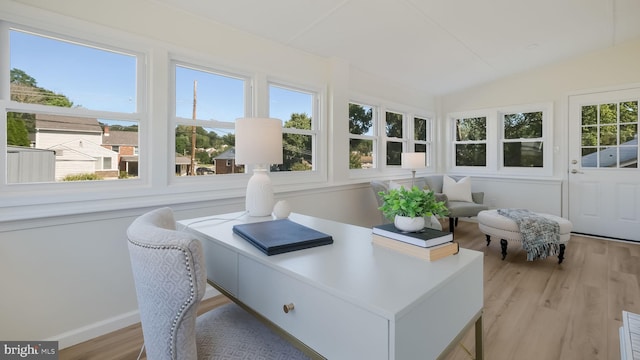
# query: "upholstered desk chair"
456 208
170 279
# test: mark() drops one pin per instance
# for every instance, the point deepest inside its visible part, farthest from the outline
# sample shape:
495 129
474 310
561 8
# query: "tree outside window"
394 131
361 139
471 141
522 140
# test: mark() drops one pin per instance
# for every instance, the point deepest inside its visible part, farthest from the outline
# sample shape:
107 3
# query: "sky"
105 80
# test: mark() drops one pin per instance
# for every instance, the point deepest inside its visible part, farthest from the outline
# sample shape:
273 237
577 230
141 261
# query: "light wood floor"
533 310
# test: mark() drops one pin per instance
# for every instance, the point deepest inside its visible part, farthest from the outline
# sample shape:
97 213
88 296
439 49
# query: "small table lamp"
259 143
413 161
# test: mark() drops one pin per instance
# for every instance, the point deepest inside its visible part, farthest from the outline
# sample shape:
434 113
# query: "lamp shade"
258 141
416 160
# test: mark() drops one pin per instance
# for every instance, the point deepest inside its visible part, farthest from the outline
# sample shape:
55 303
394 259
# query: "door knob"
574 171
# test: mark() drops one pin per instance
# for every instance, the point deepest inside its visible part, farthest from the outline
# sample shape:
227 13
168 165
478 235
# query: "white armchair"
170 278
456 208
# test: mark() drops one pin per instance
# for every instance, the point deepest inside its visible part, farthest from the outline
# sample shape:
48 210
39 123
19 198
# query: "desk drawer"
222 265
332 326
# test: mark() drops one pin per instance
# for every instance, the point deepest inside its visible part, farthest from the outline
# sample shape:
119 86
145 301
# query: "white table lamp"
259 143
413 161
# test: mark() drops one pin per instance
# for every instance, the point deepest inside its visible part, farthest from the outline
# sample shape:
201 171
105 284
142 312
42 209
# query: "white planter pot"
409 224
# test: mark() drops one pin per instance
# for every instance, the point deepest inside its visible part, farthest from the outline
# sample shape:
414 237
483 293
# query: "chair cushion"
457 191
464 209
229 332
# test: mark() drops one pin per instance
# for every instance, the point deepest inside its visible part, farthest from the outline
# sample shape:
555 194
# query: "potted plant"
408 208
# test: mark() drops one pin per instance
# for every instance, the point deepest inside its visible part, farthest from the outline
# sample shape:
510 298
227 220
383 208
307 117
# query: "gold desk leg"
479 345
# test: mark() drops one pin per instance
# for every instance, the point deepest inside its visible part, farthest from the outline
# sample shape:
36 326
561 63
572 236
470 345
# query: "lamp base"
259 199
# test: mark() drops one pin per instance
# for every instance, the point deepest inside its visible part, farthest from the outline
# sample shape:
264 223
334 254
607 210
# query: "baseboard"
106 326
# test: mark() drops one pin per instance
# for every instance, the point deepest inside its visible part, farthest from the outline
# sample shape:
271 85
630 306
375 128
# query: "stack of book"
427 244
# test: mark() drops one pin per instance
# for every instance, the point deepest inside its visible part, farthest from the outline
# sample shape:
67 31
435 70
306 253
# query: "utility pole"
193 130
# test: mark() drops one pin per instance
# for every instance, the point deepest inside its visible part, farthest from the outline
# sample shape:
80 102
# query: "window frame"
495 141
318 132
375 112
53 194
227 181
489 131
379 138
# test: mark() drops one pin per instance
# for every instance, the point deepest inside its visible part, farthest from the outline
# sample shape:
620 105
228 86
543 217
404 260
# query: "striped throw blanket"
540 236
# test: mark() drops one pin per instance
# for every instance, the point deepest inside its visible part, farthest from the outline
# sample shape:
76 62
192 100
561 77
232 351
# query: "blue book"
281 236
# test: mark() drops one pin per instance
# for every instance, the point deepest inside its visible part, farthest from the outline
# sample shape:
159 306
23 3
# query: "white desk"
352 299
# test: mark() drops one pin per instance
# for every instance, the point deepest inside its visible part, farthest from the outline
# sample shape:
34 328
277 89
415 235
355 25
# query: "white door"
604 179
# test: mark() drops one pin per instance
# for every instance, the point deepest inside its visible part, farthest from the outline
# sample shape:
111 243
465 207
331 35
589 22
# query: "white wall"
611 68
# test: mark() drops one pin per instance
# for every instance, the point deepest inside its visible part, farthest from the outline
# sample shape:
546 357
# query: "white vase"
408 224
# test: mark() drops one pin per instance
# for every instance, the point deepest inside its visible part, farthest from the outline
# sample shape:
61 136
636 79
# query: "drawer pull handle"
288 307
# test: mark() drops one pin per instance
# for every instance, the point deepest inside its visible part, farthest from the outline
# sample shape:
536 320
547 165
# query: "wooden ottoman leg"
503 245
561 254
488 239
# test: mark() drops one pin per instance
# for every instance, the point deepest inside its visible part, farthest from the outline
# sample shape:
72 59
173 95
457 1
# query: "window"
65 95
422 137
394 133
610 135
296 109
372 137
361 139
470 141
513 140
522 140
207 103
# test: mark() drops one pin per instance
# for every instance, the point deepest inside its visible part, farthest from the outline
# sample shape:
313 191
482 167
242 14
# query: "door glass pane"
589 115
589 135
609 135
611 138
608 114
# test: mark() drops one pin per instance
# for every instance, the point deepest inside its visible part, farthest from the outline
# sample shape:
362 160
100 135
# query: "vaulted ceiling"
436 46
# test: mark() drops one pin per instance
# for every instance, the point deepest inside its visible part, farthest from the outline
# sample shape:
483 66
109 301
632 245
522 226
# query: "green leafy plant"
412 203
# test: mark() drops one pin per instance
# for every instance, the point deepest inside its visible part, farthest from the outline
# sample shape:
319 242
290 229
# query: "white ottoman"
493 224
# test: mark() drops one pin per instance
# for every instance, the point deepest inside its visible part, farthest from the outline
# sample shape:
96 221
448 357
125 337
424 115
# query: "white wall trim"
85 333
